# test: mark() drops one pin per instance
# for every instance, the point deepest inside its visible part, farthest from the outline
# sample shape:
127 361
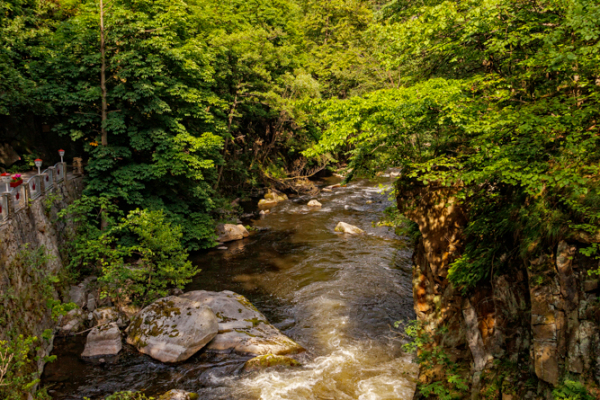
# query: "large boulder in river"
173 328
242 328
103 340
229 232
347 228
314 203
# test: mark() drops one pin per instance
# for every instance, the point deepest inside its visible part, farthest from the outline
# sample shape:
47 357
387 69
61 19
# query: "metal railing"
31 189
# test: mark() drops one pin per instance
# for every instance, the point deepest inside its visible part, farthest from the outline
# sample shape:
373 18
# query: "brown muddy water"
337 295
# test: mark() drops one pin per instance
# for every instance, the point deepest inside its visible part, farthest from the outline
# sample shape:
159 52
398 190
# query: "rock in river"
347 228
229 232
268 361
103 340
242 327
173 328
314 203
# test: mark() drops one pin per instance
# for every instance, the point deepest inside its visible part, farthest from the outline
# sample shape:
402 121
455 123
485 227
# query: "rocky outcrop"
242 328
539 320
229 232
32 240
347 228
103 340
172 329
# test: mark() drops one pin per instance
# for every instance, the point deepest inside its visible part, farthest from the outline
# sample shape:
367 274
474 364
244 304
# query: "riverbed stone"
230 232
72 322
314 203
242 328
347 228
177 394
103 340
91 302
264 203
173 329
106 315
268 361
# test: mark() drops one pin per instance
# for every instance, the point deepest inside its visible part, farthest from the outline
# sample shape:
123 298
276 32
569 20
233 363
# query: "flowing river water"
335 294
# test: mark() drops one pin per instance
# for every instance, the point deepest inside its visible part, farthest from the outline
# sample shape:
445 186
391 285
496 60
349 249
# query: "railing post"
59 172
4 208
18 199
34 187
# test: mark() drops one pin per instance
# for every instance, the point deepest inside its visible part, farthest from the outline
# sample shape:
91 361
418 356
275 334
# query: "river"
336 295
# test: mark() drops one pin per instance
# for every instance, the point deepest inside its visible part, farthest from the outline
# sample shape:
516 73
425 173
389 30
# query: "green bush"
16 377
137 257
571 390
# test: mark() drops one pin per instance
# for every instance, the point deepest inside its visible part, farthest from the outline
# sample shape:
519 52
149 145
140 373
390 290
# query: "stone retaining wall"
24 288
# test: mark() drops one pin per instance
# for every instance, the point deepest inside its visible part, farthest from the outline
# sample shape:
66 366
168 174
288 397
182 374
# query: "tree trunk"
103 76
103 219
231 113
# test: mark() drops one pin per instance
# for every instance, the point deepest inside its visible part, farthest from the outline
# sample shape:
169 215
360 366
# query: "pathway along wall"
517 336
24 285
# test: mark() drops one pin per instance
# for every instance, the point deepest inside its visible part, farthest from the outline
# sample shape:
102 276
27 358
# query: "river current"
337 295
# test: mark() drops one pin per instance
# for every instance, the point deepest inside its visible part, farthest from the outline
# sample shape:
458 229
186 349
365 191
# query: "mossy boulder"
172 329
242 328
268 361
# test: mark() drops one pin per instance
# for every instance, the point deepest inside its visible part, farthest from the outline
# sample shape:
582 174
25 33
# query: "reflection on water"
337 295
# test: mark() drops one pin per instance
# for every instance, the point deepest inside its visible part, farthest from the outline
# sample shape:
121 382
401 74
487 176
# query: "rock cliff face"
518 335
24 285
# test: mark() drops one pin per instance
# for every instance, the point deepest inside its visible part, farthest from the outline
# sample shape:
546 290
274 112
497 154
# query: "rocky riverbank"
520 335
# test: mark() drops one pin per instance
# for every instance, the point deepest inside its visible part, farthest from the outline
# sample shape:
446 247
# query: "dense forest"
180 107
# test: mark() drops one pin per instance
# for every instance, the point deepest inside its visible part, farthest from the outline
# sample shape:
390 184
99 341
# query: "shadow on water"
337 295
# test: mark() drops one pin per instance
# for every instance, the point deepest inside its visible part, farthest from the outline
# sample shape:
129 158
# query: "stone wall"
532 325
24 287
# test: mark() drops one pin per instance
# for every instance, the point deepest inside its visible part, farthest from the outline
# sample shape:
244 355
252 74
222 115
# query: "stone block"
103 340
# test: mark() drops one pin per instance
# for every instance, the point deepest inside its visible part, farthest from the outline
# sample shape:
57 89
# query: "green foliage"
29 287
15 361
571 390
453 384
498 98
128 396
138 256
